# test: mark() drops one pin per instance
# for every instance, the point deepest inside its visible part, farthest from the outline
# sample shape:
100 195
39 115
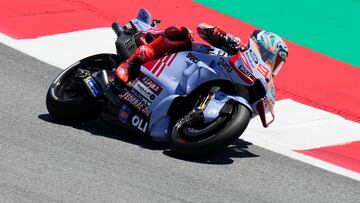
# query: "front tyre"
68 100
200 140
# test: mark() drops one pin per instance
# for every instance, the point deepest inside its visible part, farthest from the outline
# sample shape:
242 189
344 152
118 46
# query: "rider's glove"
232 43
228 42
217 37
232 40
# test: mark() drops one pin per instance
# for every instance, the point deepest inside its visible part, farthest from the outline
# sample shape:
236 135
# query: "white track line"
62 50
301 127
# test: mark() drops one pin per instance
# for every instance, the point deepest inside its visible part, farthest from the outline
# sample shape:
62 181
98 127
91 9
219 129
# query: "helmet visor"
266 54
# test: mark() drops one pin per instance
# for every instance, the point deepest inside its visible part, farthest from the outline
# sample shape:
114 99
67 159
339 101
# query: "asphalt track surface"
45 161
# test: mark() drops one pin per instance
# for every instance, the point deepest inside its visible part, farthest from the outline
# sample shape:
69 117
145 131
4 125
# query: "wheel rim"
186 134
66 87
70 89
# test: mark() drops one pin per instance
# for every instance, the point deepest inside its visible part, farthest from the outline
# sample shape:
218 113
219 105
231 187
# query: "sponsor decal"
240 64
124 113
144 91
128 97
139 123
263 70
245 71
158 67
192 58
253 56
95 90
148 82
250 59
224 65
140 97
245 61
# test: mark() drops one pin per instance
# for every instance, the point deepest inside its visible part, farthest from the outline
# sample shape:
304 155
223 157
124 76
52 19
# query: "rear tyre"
68 100
196 140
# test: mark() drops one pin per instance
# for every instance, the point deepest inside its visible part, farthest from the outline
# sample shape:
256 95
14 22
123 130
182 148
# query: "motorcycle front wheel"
68 100
205 139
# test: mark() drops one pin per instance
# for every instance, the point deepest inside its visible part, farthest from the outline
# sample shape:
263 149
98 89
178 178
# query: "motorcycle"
199 101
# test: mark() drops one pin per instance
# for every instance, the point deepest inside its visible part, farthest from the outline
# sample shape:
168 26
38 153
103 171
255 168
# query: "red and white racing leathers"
175 39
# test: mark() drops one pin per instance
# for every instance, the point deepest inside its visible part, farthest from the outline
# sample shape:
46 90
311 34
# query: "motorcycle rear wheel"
69 101
211 138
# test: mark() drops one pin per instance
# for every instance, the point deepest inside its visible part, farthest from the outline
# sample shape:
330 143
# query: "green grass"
329 27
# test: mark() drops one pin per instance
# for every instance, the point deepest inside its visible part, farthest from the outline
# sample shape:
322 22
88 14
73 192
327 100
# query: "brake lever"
155 22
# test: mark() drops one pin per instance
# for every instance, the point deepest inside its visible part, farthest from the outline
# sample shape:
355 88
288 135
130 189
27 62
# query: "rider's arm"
217 37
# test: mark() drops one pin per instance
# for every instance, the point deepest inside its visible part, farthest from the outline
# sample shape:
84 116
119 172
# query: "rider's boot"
128 70
172 40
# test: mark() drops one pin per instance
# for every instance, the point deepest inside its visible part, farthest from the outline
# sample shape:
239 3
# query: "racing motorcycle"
199 101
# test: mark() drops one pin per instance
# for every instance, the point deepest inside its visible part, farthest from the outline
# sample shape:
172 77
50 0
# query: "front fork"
207 99
91 85
206 110
198 114
98 84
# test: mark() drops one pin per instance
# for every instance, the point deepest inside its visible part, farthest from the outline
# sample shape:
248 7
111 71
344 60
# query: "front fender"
216 104
222 97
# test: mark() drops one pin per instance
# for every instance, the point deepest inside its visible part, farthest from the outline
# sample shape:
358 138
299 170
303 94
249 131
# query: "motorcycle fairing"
185 73
262 72
181 73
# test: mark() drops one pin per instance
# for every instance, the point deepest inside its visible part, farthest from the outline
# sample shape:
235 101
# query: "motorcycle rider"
175 39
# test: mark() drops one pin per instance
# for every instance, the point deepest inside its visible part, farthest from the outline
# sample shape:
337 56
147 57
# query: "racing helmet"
272 48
